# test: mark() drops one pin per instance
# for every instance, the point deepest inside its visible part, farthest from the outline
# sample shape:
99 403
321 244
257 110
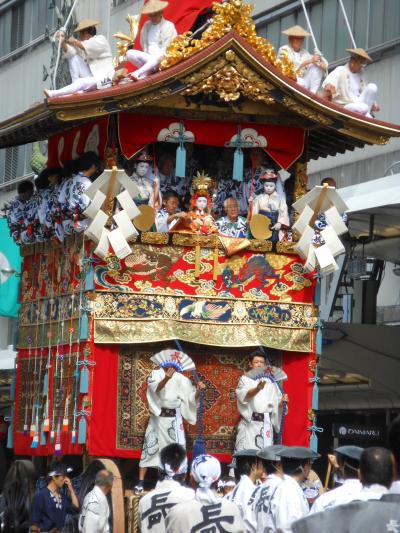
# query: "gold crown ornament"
201 183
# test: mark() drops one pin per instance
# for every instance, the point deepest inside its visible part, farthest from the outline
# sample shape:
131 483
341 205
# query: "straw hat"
86 23
153 6
296 31
359 52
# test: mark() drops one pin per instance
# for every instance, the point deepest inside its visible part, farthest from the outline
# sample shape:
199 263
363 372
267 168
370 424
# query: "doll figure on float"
148 184
199 220
272 204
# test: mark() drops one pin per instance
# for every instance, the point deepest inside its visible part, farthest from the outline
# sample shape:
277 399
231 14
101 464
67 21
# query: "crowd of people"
53 205
269 490
91 66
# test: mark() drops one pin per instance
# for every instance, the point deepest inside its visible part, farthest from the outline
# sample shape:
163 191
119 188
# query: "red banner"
283 144
70 144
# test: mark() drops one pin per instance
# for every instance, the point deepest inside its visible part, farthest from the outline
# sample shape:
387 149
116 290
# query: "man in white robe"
155 37
172 398
89 59
348 458
248 470
207 512
258 403
346 85
310 69
289 503
155 505
95 513
257 513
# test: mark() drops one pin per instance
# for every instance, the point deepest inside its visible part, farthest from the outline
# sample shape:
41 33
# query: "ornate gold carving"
130 332
231 15
229 78
148 237
286 248
144 99
306 112
300 183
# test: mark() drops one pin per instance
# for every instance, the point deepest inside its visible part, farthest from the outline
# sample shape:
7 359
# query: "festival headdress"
178 360
144 157
200 187
205 470
269 174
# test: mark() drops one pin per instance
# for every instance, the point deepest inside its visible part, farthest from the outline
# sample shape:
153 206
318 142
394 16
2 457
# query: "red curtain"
299 390
92 136
284 144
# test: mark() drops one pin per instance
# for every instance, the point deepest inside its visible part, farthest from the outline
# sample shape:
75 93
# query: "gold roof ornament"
201 183
127 40
359 52
231 15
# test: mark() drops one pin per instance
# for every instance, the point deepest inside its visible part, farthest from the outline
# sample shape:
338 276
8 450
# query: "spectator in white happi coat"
248 470
95 514
258 515
207 511
348 459
289 503
155 505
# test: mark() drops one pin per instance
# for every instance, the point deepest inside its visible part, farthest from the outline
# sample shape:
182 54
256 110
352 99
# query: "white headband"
170 473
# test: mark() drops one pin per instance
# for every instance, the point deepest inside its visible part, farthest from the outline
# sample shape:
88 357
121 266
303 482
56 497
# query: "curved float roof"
228 80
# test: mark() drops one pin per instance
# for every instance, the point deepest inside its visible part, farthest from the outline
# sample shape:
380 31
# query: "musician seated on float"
155 37
232 224
89 59
310 69
169 214
347 86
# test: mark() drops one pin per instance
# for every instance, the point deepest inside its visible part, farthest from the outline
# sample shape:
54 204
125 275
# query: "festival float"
97 307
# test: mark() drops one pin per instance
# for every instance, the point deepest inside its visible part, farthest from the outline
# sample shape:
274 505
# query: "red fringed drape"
299 390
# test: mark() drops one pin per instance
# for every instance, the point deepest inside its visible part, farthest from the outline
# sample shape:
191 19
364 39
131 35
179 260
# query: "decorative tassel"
89 278
46 425
65 425
25 430
197 261
238 165
216 262
73 437
84 381
314 442
32 431
35 441
57 449
84 327
180 167
52 437
315 396
199 447
82 430
45 384
10 436
317 293
318 341
42 436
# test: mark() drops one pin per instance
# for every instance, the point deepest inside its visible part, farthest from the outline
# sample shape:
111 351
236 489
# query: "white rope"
347 23
309 25
62 30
